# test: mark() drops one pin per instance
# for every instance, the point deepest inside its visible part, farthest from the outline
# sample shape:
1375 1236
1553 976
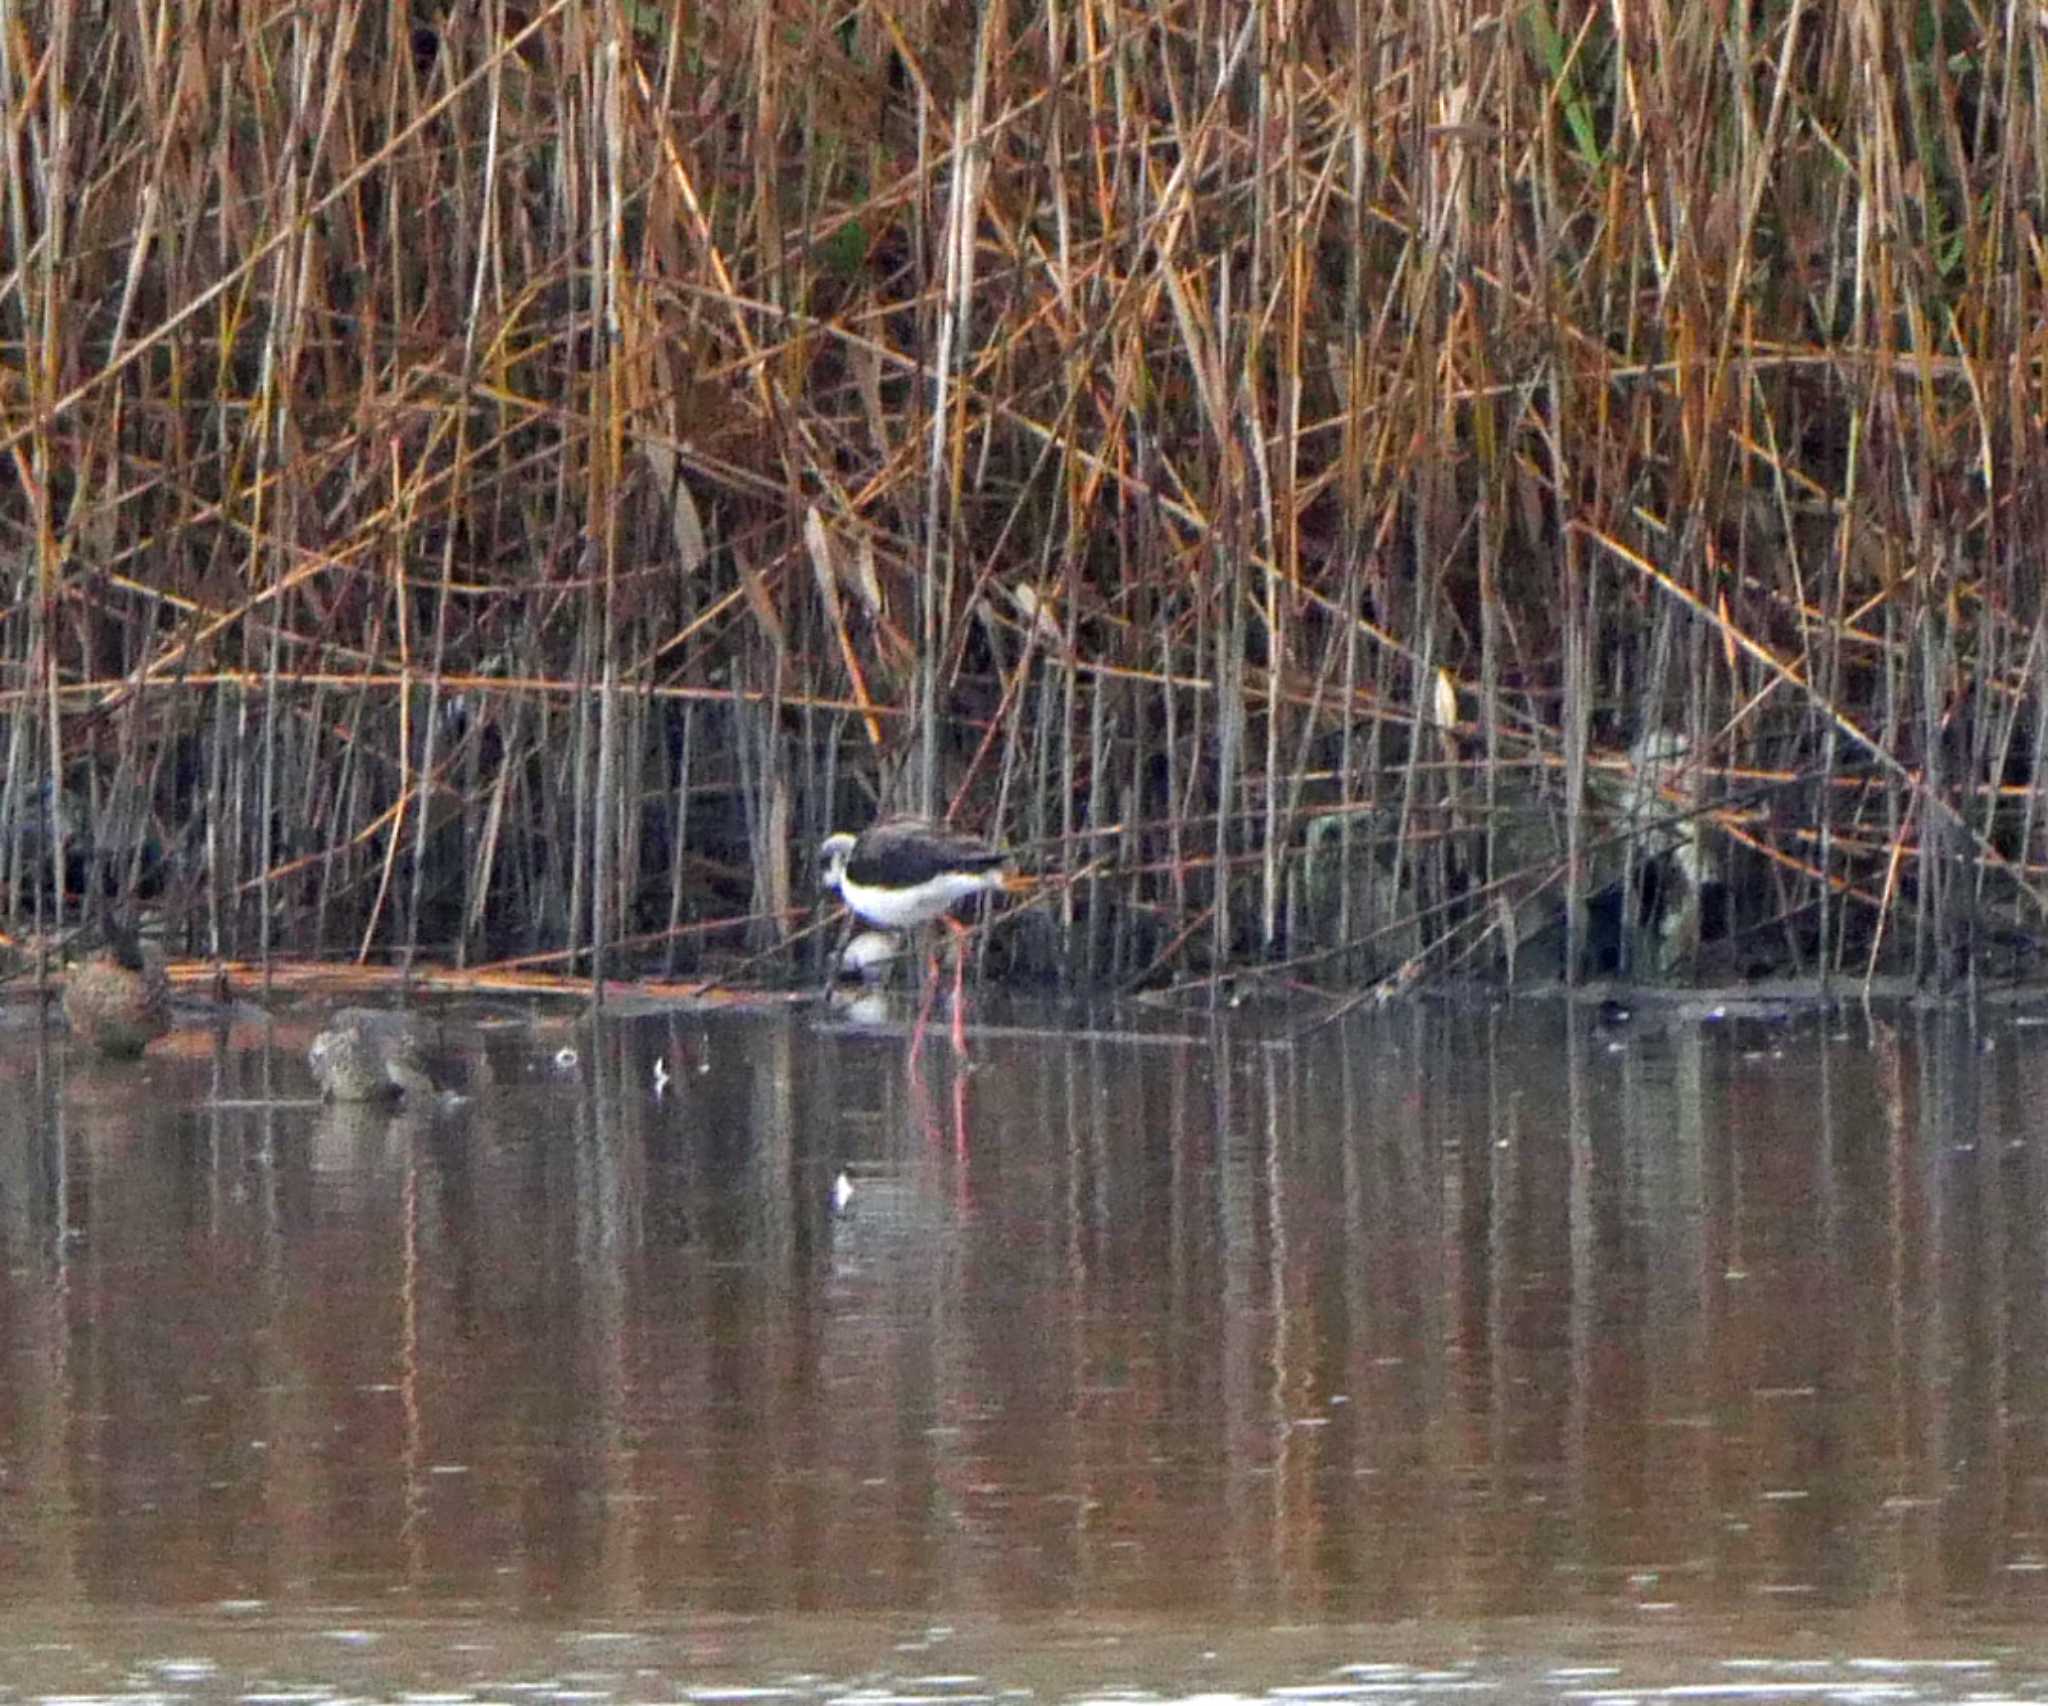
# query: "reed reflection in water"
1444 1314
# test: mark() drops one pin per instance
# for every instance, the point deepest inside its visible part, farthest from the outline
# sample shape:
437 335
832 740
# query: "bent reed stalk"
1349 493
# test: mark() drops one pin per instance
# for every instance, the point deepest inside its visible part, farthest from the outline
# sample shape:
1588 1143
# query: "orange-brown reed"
503 480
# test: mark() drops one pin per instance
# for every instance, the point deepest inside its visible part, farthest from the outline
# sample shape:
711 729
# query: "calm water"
1442 1351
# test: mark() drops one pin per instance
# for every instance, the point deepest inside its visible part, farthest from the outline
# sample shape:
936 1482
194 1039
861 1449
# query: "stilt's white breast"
899 909
904 872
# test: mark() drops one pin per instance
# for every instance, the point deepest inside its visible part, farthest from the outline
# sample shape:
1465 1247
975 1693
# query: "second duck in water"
368 1055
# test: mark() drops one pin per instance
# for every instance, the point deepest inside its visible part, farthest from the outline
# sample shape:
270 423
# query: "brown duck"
118 998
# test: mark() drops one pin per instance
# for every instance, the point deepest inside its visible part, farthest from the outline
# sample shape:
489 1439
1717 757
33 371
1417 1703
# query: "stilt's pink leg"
959 985
924 1006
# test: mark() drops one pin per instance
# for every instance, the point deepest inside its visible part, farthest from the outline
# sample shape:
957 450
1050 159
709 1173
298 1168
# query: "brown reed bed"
1356 492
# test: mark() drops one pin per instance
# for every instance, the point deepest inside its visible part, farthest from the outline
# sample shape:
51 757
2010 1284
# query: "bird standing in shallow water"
118 999
368 1055
906 871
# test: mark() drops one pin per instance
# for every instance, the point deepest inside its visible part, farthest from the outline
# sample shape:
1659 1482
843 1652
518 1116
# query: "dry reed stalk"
1133 428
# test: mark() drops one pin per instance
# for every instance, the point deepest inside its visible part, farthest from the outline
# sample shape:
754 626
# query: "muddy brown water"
1446 1350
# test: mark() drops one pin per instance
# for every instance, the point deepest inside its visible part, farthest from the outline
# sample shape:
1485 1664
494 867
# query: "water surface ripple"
1693 1335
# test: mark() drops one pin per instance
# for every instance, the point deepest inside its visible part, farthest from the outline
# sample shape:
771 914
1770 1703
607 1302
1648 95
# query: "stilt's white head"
836 850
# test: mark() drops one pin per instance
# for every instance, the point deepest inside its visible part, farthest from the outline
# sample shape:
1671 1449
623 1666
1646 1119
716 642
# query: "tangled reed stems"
1362 491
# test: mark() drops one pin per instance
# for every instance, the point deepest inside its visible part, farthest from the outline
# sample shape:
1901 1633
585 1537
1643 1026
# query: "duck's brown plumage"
118 999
